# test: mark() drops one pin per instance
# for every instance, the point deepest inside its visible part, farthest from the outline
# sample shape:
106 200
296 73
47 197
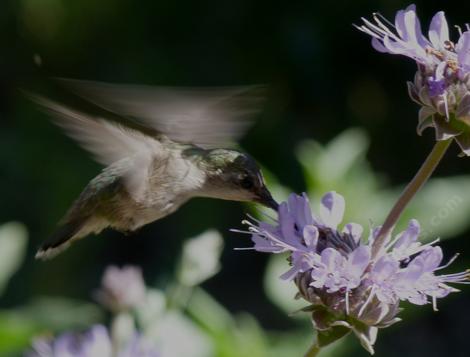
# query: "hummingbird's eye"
247 183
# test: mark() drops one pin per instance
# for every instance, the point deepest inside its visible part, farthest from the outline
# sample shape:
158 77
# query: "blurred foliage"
182 311
185 312
442 207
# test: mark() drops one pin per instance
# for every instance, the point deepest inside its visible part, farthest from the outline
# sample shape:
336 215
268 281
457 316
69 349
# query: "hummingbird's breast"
171 181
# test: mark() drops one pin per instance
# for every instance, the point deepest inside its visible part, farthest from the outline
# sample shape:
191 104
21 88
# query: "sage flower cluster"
442 82
336 273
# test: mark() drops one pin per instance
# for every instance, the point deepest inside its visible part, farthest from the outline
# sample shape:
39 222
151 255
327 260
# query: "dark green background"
323 77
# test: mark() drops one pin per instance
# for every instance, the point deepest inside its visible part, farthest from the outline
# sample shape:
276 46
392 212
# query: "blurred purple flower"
122 288
334 270
95 342
442 83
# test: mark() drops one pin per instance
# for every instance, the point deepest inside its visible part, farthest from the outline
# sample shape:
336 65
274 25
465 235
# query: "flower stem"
313 351
411 189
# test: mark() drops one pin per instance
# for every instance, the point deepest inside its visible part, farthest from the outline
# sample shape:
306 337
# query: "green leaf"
442 207
59 314
13 240
330 164
347 149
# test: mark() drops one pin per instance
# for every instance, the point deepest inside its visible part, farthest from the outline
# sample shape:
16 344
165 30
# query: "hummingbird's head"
234 175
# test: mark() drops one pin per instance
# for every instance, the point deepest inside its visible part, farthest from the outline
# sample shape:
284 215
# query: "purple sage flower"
334 270
442 83
122 288
95 342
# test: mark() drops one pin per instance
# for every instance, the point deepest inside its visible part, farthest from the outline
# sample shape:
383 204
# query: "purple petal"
359 260
442 291
355 230
288 229
291 273
332 259
439 30
431 258
413 27
287 225
378 45
418 299
299 208
398 48
301 262
463 51
400 24
332 209
437 85
293 205
306 211
412 272
263 244
384 268
409 236
310 234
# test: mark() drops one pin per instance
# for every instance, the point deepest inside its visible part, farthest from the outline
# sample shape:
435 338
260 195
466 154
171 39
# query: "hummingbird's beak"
266 199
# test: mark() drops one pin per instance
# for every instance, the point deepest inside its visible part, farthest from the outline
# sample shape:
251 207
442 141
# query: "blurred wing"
207 117
107 142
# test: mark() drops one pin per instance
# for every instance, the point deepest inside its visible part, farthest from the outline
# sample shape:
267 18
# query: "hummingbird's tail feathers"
60 239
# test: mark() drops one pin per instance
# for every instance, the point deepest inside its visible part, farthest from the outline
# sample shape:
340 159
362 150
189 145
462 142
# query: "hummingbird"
160 147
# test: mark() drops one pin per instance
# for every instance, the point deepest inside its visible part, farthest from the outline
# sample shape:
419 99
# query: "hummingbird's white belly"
147 215
169 182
